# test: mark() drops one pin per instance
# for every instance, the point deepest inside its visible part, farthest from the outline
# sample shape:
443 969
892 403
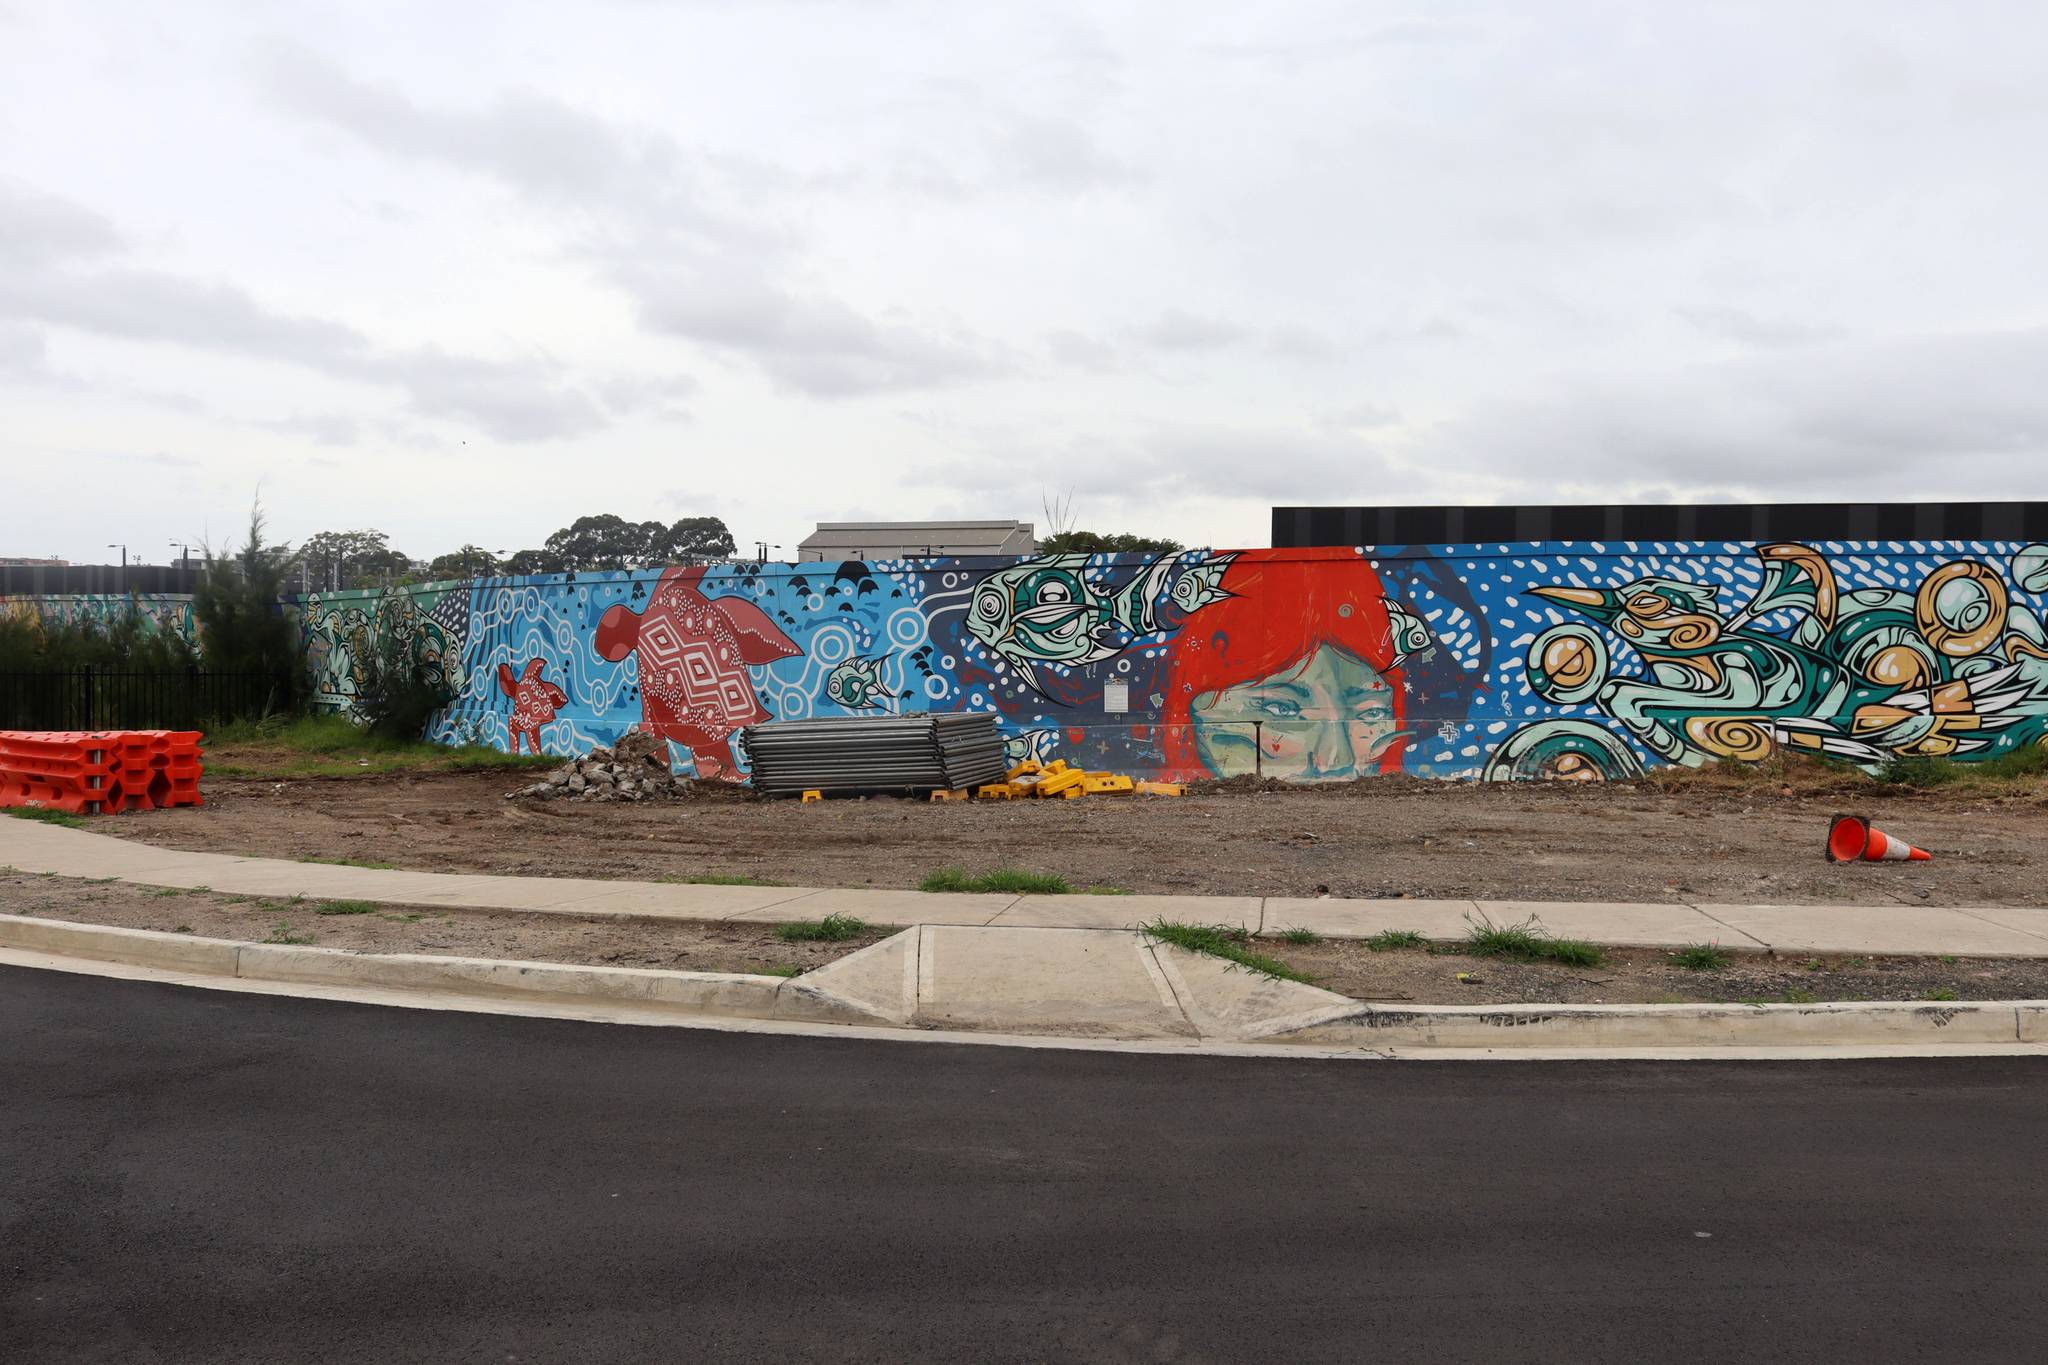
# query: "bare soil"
1630 975
596 941
1696 839
1649 976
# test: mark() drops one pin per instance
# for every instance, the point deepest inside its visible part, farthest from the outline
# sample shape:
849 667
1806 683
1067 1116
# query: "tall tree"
242 628
603 542
471 561
1095 543
336 560
691 540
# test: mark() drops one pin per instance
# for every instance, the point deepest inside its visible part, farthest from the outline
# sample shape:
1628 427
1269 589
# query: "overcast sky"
463 272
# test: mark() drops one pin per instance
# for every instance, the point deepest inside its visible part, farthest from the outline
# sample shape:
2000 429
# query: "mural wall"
167 612
1555 660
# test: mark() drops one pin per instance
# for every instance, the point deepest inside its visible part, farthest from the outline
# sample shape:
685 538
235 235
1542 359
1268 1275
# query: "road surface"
190 1175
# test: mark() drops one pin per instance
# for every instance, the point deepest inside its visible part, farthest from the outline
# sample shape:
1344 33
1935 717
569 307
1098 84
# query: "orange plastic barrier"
100 772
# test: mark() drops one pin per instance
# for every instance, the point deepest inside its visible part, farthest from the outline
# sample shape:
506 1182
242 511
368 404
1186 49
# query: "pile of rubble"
634 769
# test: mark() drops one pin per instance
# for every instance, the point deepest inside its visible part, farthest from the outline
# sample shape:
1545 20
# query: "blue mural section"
1556 660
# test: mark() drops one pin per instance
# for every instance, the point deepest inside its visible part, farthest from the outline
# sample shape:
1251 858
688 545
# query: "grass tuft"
1014 880
780 969
1226 941
48 816
1941 993
831 929
1528 941
1394 940
1701 957
281 932
1301 936
345 908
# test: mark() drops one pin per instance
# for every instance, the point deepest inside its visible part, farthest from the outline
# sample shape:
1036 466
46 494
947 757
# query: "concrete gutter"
878 992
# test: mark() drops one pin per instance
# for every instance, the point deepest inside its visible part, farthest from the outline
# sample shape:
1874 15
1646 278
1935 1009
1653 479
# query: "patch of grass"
831 929
354 862
1814 964
1941 993
1701 957
1948 957
1795 996
48 816
1300 936
780 969
345 908
332 745
1396 940
281 932
2017 765
181 929
1013 880
1528 941
1225 941
165 891
717 879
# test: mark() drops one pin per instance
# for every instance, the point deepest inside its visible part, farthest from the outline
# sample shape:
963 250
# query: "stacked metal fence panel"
881 753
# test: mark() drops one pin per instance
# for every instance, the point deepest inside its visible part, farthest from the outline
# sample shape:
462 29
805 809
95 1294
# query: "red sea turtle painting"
693 654
534 702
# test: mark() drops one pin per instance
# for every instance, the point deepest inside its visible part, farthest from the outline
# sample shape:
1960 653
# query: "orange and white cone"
1851 838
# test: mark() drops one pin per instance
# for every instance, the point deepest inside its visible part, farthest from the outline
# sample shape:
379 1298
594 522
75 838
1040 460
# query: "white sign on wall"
1116 696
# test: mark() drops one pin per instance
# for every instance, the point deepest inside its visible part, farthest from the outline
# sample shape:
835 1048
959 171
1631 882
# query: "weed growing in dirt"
1394 940
780 969
47 816
717 879
1922 772
831 929
1701 957
354 862
1221 940
1940 993
1300 936
345 908
162 891
1814 964
281 932
404 919
181 929
1528 941
1014 880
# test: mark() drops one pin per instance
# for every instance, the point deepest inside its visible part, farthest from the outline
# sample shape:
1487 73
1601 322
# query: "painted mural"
169 613
1536 661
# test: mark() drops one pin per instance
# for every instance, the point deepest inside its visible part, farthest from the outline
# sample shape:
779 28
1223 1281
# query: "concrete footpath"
1977 931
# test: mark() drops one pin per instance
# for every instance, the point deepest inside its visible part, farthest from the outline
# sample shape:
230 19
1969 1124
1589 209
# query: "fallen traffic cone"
1851 837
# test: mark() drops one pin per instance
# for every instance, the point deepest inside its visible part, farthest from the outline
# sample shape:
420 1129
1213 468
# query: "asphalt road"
189 1175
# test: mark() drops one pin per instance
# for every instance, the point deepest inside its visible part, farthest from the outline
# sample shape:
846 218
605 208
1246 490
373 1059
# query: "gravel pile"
634 769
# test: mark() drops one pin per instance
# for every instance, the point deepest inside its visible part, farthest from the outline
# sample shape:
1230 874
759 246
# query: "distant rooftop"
906 539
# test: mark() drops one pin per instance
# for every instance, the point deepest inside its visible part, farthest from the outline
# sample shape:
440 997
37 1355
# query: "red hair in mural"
1287 610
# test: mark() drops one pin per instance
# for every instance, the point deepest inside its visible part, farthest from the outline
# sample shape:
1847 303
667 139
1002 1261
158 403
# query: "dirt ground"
1650 976
600 941
1347 967
1384 837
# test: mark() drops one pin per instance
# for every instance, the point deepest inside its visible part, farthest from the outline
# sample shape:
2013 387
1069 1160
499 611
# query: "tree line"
335 560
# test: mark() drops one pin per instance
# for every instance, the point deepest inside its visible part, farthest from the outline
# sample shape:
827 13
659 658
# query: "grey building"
837 540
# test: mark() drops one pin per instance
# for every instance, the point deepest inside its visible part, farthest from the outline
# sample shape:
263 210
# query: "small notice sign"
1116 697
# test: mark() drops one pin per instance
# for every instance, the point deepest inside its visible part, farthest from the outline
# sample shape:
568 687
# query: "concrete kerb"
1317 1028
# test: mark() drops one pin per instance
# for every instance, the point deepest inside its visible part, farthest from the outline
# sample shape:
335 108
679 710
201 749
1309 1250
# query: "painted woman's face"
1327 718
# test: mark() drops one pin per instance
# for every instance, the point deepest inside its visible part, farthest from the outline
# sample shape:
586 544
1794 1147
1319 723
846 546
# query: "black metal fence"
96 699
